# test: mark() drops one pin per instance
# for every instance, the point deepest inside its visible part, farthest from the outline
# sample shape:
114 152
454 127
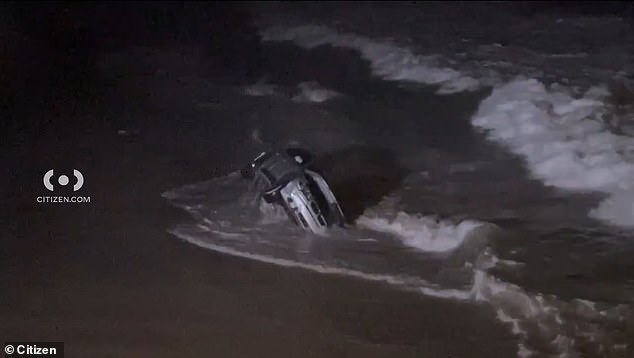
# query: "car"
283 177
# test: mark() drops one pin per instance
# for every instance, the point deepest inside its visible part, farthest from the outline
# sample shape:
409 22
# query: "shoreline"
108 279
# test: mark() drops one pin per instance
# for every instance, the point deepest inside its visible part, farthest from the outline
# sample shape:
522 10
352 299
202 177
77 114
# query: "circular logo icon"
8 349
63 180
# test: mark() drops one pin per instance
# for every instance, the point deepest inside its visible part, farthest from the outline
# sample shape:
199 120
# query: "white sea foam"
541 322
562 138
272 213
425 233
313 92
564 142
387 60
565 328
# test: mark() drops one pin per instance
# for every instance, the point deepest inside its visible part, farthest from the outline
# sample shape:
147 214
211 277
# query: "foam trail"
387 60
564 142
409 283
545 323
530 315
421 232
312 92
542 323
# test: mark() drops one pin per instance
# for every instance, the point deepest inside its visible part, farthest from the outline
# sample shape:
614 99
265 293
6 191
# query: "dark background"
50 49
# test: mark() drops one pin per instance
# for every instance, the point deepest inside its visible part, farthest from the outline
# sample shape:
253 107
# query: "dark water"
430 170
435 205
556 276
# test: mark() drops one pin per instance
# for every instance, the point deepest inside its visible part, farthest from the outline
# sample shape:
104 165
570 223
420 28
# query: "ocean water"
474 151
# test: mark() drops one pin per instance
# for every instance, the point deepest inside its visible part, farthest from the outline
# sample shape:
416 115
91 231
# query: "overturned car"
283 178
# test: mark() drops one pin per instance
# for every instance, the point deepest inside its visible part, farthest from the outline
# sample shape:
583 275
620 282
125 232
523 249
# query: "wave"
543 323
565 144
563 139
387 60
422 232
